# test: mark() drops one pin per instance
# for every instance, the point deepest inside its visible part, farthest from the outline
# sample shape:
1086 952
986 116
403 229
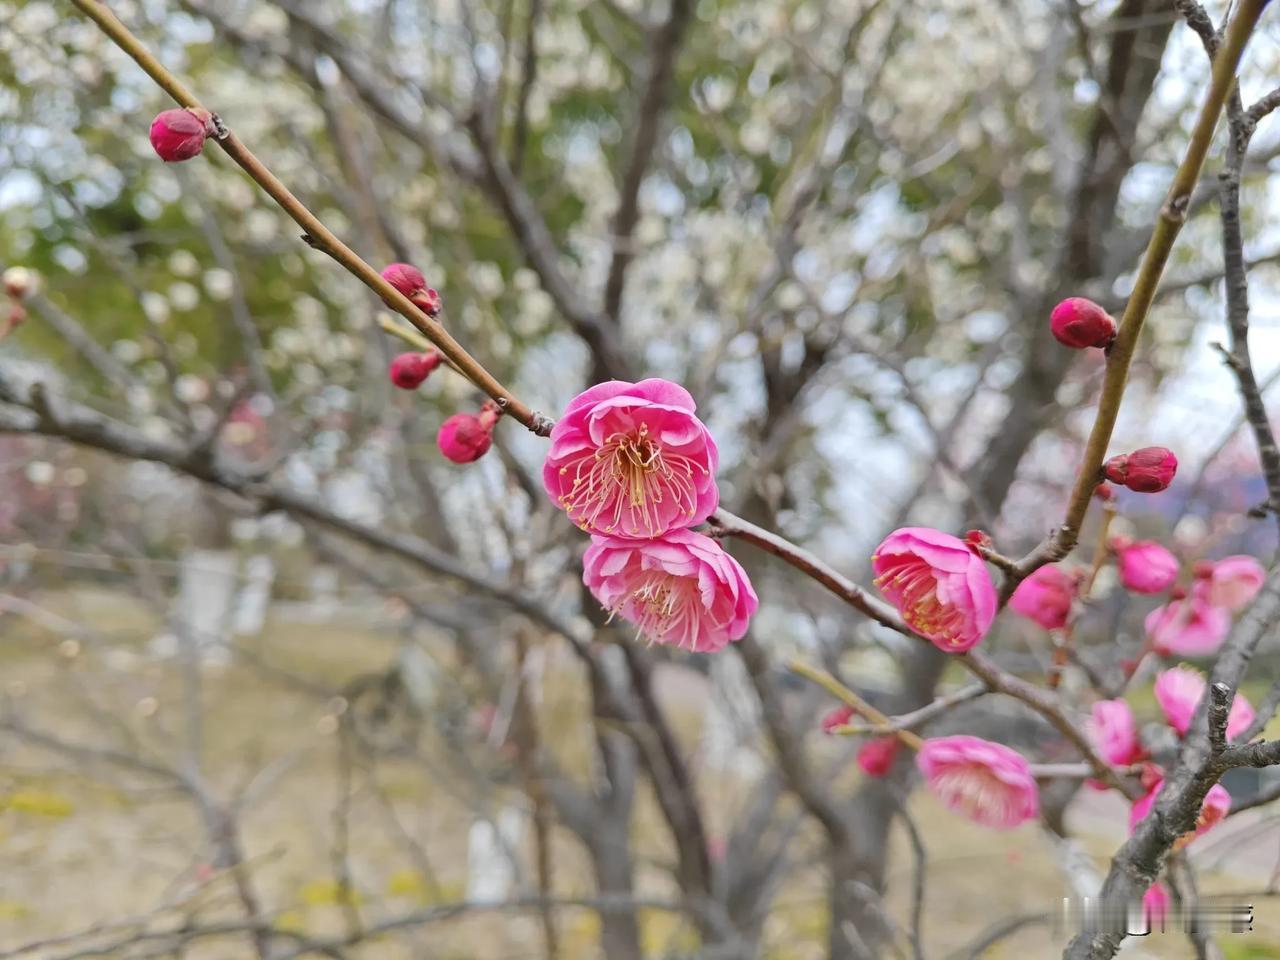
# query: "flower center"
917 589
661 605
628 478
973 790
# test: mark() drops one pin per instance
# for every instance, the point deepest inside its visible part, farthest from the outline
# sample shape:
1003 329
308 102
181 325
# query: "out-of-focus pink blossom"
984 781
1046 597
1145 566
632 460
1190 627
1217 804
876 756
680 589
408 370
1179 690
940 586
1231 582
1155 905
1114 733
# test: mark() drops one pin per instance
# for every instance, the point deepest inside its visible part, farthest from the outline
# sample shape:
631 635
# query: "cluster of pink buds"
1079 323
17 285
409 281
179 134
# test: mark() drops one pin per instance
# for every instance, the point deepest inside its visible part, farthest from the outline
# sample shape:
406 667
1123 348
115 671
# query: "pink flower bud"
1079 323
406 278
465 437
1146 566
180 134
408 370
837 717
1148 470
1105 492
17 282
876 756
428 301
1046 597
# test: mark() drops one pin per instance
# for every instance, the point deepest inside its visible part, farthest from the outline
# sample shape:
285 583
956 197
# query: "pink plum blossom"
1146 566
680 589
876 756
1179 691
939 585
632 460
1189 627
1114 733
1231 582
987 782
1217 804
1046 597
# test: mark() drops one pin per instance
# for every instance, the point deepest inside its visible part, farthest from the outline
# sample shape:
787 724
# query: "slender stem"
843 693
316 233
1173 215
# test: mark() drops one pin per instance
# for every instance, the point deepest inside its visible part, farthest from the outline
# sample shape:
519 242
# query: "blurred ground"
89 842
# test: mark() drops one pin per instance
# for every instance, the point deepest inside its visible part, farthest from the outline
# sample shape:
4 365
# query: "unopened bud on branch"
1080 323
1148 470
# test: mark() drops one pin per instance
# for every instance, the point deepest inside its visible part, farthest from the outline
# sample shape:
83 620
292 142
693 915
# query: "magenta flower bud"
1046 597
409 370
180 134
466 437
1080 323
406 278
1148 470
876 756
1145 566
837 717
1105 492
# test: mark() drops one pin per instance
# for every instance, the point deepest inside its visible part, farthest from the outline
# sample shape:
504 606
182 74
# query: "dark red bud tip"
1148 470
406 278
1105 492
1202 570
409 370
1080 323
179 134
1178 593
465 437
428 301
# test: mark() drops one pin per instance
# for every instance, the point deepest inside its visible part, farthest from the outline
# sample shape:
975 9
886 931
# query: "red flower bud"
978 540
837 717
406 278
1079 323
1105 492
1148 470
409 370
428 301
465 437
876 756
180 134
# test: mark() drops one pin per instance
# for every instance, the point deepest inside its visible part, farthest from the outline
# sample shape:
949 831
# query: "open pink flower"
876 756
680 589
1190 627
1145 566
1046 597
1231 582
1114 734
939 585
1217 804
984 781
837 717
632 460
1155 905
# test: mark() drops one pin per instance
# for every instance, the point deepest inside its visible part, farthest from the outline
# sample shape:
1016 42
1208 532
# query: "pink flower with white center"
837 717
939 585
632 460
1114 733
1231 582
1217 804
876 756
1145 566
984 781
680 589
1155 905
1190 627
1046 597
